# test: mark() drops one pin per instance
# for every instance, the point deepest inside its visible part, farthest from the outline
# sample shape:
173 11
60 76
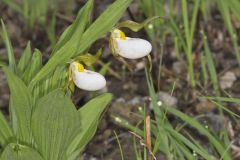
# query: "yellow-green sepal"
70 83
71 86
89 59
134 26
113 46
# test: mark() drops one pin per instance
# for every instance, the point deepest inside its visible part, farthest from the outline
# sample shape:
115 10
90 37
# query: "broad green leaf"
55 122
20 106
68 44
8 44
19 152
25 59
90 114
104 23
5 130
56 80
34 67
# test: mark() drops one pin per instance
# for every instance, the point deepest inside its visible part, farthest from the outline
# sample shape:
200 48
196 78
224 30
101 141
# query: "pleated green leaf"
90 114
20 106
19 152
5 131
55 122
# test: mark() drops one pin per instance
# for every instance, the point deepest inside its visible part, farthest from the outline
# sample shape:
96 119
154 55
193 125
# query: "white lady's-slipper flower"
85 79
131 48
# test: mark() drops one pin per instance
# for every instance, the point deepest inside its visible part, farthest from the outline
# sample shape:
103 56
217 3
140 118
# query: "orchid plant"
44 123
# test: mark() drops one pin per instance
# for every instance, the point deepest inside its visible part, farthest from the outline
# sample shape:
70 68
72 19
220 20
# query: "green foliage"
5 131
94 109
219 102
171 141
75 35
55 122
68 44
20 106
103 24
189 30
182 27
33 67
204 70
104 69
25 59
16 151
222 150
227 9
44 122
58 130
31 10
211 66
173 26
8 44
37 11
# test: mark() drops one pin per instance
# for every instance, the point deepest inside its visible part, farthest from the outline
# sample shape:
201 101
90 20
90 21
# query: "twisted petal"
133 48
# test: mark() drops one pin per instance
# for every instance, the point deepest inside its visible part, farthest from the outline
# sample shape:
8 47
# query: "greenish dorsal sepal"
134 26
89 59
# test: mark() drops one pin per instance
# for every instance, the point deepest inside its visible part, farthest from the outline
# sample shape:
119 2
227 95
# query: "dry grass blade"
148 137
